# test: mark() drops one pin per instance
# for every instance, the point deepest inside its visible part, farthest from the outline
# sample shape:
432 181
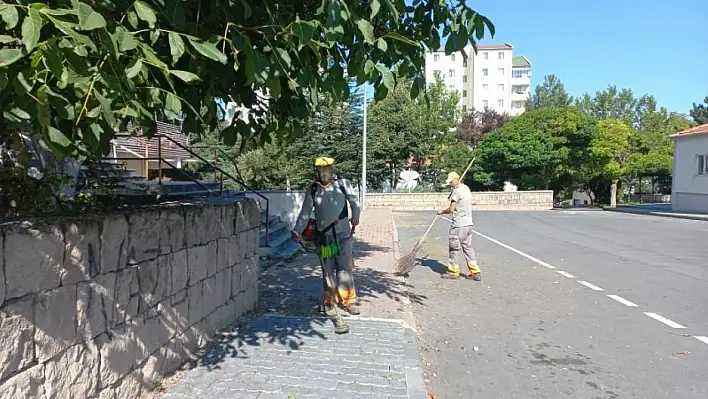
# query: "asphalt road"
542 323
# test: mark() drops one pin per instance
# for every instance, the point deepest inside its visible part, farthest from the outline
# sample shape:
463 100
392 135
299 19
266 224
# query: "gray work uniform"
461 230
329 203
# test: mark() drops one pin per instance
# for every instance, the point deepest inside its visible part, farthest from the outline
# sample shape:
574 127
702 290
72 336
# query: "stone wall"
481 200
103 307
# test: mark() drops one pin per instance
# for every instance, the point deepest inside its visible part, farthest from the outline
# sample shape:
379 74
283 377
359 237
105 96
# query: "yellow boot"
453 271
474 273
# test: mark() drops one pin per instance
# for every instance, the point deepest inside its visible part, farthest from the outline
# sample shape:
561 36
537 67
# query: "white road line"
591 286
623 301
664 320
701 338
512 249
565 274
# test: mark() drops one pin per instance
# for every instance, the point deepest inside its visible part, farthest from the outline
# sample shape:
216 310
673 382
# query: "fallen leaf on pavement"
684 352
431 396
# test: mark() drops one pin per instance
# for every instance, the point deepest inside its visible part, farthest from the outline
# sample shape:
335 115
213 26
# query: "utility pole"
363 156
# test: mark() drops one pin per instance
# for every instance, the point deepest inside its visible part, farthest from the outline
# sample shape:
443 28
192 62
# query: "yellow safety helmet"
323 161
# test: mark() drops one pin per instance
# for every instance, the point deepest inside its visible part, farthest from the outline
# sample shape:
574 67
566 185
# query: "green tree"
74 73
477 124
536 149
699 112
611 150
610 103
549 94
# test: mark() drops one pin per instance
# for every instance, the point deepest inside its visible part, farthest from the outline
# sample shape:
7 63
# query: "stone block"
174 316
121 351
34 258
196 302
126 296
180 271
252 214
150 371
212 223
212 258
226 222
55 322
154 282
130 386
16 337
235 253
107 394
114 243
82 256
209 296
250 300
236 273
197 260
2 268
222 255
172 237
144 235
74 373
195 233
153 334
180 296
223 290
28 384
176 354
94 306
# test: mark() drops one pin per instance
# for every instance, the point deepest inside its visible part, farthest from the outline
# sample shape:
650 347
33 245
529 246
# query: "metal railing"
160 160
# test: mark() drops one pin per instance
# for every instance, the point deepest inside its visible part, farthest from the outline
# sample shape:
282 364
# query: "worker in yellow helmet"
333 229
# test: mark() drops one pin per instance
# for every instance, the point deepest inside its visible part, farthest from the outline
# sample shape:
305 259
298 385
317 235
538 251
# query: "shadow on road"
294 288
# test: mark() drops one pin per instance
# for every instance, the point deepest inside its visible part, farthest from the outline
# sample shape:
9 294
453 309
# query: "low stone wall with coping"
481 200
105 306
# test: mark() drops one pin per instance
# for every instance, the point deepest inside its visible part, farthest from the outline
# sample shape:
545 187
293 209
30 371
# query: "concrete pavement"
573 304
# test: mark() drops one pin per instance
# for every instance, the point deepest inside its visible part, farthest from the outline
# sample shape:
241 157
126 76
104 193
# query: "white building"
492 78
689 191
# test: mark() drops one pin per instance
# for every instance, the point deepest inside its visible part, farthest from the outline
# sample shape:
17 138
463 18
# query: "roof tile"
700 129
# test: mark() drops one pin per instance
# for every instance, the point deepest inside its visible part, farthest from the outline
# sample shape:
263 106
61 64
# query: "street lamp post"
363 156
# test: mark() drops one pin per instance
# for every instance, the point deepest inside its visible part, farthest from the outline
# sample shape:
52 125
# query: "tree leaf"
401 38
16 115
369 67
381 44
187 77
175 13
53 60
416 87
9 15
208 50
9 56
133 70
5 39
133 19
304 31
56 137
145 13
366 29
387 77
31 28
89 19
334 13
375 7
176 46
125 39
109 42
247 12
285 57
173 106
3 79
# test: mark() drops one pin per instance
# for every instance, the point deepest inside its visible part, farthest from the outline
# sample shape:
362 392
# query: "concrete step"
287 250
274 231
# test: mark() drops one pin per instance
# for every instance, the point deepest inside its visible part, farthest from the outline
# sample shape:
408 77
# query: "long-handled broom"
405 264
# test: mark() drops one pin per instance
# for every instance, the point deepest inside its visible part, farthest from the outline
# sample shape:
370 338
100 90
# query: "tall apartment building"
492 78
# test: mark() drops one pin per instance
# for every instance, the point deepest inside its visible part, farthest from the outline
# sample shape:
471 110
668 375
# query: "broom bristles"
407 263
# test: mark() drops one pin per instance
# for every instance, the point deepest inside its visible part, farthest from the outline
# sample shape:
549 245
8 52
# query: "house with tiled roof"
689 192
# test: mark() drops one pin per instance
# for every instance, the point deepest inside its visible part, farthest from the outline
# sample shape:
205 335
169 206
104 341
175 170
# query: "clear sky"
649 46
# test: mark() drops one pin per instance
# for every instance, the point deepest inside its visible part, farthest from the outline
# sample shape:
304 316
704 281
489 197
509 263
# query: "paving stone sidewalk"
291 352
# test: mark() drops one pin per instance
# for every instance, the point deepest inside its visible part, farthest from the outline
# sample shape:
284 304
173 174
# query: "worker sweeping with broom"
461 229
332 234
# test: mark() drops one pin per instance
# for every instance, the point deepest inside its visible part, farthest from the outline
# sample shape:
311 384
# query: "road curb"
658 214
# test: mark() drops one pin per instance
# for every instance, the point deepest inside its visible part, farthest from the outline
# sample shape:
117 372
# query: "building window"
464 78
500 103
517 104
501 88
451 88
436 57
464 64
485 55
501 71
464 93
464 108
485 72
703 164
501 55
485 104
452 57
519 89
451 73
520 73
485 87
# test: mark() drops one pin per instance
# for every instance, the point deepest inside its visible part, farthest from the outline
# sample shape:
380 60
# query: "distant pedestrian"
332 233
461 229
